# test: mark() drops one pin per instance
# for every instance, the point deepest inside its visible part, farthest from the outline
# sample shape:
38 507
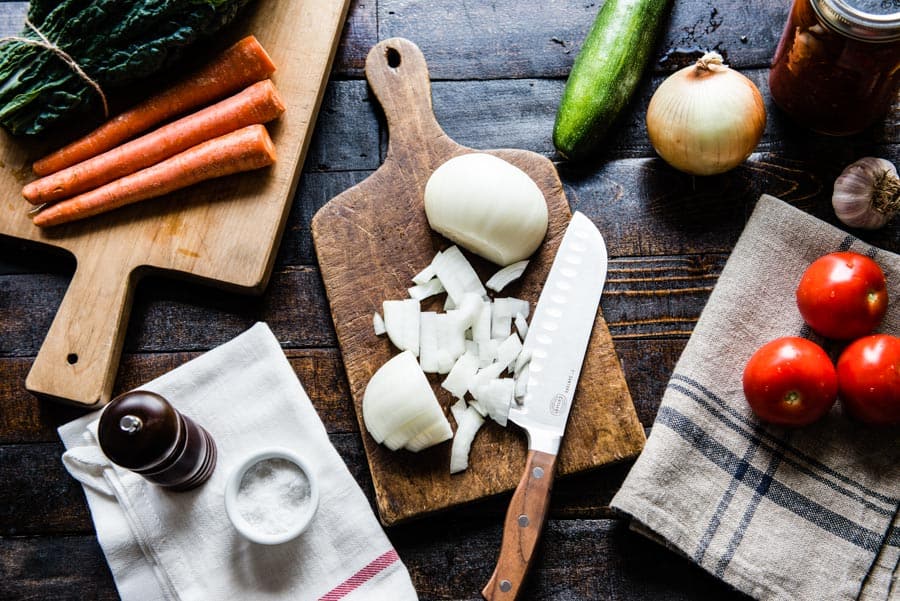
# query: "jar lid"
863 20
138 430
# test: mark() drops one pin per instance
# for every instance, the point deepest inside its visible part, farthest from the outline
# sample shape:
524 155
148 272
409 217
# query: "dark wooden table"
498 69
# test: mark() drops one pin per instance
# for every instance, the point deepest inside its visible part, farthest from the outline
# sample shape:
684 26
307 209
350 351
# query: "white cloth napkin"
164 545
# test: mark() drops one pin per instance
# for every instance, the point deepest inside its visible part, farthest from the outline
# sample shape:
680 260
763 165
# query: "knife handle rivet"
523 521
505 586
537 473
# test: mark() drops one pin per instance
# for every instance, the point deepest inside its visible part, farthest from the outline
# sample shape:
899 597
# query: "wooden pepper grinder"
142 432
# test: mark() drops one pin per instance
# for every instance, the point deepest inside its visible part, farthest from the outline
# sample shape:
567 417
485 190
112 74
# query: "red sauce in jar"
837 66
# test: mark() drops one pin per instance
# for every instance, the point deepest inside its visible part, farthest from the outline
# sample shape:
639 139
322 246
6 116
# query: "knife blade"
556 343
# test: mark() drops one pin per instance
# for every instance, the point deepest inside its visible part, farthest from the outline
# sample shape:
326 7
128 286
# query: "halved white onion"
400 409
488 206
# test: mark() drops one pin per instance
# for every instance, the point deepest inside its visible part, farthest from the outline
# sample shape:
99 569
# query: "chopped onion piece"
509 306
521 385
479 408
522 360
484 375
457 409
500 325
400 409
509 350
470 308
481 329
457 381
457 274
378 324
429 288
497 395
505 276
442 341
427 273
521 325
401 321
449 304
487 352
468 424
502 313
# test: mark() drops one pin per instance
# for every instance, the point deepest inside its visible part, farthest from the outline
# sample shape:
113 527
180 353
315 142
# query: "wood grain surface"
668 235
224 231
371 239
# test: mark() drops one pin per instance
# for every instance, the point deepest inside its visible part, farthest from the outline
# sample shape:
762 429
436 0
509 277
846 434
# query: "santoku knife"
556 342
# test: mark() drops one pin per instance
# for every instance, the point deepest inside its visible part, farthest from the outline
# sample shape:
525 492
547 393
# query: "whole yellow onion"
706 118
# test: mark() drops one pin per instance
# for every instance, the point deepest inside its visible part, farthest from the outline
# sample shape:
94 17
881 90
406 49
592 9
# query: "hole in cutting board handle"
393 58
72 358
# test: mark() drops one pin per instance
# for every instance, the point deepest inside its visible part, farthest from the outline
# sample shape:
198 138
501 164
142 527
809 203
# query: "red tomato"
843 295
790 382
869 379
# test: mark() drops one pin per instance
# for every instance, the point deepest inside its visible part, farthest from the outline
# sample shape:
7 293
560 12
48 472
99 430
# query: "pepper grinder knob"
142 432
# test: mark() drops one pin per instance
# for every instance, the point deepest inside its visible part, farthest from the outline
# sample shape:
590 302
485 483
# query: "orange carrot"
242 150
257 104
237 67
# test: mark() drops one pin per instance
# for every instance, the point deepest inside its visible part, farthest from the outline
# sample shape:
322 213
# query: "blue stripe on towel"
734 423
724 502
762 489
766 485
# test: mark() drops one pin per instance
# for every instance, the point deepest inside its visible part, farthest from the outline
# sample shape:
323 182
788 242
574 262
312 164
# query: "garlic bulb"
867 193
487 206
706 118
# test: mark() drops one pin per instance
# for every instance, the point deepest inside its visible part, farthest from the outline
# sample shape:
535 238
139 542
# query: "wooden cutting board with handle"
223 231
374 237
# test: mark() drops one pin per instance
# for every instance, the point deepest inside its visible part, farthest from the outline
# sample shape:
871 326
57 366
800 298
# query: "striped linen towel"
799 514
164 546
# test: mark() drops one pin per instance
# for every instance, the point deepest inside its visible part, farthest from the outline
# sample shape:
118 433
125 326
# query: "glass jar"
837 66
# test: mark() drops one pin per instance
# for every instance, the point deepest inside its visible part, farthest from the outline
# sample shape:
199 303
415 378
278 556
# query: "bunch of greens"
115 42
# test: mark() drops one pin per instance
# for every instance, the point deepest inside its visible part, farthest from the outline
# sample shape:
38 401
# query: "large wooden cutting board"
373 238
224 231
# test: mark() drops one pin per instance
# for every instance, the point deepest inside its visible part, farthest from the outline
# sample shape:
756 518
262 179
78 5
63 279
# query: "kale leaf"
116 42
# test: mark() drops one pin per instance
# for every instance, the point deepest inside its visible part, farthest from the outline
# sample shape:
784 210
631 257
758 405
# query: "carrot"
242 150
257 104
235 68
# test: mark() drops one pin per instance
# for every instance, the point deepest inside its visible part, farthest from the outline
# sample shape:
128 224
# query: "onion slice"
401 320
378 324
429 288
506 276
469 423
457 274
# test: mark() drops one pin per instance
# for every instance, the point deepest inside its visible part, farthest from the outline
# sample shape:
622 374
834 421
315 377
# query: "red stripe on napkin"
374 567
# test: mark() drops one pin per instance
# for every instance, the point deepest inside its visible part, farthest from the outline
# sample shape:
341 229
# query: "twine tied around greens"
45 43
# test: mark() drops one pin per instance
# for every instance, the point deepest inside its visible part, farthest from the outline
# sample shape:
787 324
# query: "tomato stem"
792 398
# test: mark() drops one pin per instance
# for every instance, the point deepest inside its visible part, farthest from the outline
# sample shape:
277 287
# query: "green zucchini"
606 73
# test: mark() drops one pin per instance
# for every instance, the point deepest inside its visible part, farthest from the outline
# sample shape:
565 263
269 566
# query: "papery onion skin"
706 119
867 193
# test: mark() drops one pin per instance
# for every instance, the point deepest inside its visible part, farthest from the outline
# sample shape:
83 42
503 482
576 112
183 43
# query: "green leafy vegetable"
116 42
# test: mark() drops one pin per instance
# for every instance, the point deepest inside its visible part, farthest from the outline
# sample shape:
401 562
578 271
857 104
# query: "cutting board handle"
398 74
78 360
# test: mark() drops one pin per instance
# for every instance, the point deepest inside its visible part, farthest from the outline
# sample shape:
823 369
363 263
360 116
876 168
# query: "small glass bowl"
248 530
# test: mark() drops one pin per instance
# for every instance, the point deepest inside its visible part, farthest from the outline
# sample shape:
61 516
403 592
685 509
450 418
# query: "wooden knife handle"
522 527
78 361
